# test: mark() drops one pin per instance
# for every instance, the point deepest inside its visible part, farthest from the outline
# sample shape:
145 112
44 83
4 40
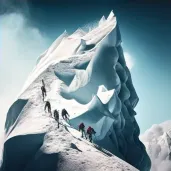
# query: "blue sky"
28 29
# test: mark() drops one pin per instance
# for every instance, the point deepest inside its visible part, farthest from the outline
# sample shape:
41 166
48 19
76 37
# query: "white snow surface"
157 140
74 153
86 74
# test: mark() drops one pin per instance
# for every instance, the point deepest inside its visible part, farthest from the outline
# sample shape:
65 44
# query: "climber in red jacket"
90 132
82 129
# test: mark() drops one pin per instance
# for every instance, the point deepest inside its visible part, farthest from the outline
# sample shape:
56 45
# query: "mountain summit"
86 74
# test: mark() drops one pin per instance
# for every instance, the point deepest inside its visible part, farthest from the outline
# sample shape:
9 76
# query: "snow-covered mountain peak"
78 42
86 74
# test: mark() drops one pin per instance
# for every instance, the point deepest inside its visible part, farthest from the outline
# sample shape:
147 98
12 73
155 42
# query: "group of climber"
65 116
64 113
90 131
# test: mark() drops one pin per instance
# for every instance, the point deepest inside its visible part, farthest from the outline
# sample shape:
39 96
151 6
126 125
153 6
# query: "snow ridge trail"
60 141
77 135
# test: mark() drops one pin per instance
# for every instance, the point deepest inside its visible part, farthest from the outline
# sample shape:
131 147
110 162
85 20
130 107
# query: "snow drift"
85 73
157 140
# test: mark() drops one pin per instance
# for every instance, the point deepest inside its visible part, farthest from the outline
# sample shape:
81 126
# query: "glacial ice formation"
85 73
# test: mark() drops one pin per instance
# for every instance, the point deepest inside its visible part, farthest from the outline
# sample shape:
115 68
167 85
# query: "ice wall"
116 116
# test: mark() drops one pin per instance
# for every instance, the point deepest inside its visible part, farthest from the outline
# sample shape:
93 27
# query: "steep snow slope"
157 140
85 73
28 148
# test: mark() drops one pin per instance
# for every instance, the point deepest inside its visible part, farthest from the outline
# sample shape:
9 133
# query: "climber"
56 116
43 92
47 105
90 132
65 115
82 129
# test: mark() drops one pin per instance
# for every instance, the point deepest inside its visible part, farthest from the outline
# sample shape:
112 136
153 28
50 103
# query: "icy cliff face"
85 73
157 140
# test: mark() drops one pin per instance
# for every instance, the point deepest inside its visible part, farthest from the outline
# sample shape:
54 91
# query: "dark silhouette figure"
47 105
90 132
43 92
65 115
56 116
82 129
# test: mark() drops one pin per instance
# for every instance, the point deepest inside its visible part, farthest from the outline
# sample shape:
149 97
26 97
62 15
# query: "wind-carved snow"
102 20
157 140
86 74
111 16
78 33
